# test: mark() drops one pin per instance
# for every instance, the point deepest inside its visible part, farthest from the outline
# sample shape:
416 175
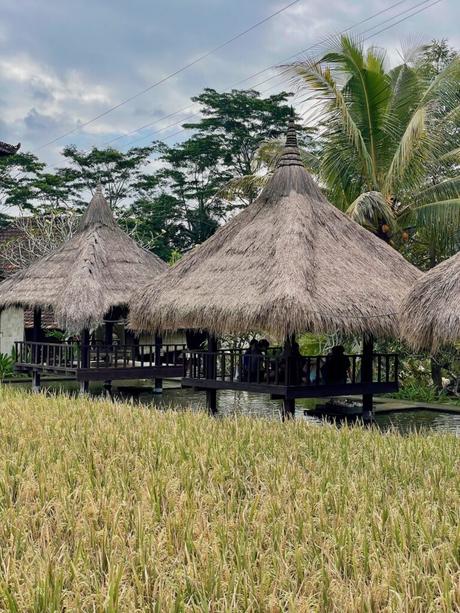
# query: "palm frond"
320 80
371 209
445 214
445 191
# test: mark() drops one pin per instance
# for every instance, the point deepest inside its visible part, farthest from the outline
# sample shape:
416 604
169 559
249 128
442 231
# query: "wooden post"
366 376
211 394
36 337
288 409
84 358
108 342
158 385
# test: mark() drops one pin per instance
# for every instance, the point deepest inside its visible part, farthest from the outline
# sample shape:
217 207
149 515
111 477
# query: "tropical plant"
6 365
386 135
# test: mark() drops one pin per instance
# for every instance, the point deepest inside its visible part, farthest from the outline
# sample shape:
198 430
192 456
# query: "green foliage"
118 172
419 392
183 202
18 174
6 366
388 132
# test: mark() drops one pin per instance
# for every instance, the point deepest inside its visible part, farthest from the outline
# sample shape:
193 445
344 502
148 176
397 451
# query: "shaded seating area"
293 377
289 263
87 284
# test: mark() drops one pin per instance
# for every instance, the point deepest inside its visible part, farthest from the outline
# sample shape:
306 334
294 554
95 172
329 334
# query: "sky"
63 63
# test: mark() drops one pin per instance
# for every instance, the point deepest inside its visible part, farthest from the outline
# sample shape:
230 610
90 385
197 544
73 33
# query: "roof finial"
291 153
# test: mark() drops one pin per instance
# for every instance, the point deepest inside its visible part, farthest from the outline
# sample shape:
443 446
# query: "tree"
154 219
37 236
192 181
192 176
18 174
239 122
385 133
118 172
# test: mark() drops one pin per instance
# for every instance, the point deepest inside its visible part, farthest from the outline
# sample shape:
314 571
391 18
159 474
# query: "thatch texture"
430 313
290 262
98 268
6 149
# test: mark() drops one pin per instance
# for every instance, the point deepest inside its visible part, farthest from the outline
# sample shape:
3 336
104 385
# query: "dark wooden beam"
211 365
158 383
108 341
84 358
366 376
36 350
288 408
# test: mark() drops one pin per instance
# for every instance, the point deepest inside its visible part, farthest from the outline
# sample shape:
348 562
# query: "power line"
303 51
171 75
424 4
258 73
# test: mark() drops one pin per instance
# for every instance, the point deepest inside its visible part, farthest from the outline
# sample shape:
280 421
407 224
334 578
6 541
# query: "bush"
6 366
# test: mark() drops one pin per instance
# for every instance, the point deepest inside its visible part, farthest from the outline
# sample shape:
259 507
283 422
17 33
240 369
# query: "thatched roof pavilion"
430 313
290 262
97 269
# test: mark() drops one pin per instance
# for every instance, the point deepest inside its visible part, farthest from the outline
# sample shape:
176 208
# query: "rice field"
108 507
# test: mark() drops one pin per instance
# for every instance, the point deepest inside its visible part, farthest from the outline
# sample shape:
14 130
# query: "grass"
416 392
109 507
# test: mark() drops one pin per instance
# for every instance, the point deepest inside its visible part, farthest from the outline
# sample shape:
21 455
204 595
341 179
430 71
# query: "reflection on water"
259 405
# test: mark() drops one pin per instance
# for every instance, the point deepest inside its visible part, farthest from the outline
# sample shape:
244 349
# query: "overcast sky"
62 62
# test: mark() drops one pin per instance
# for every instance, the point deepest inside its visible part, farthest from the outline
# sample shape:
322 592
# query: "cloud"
62 64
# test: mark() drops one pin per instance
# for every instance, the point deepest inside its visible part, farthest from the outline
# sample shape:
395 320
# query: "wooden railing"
233 365
72 356
56 356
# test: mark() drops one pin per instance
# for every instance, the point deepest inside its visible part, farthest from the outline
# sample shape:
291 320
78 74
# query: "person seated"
336 369
290 365
251 361
264 346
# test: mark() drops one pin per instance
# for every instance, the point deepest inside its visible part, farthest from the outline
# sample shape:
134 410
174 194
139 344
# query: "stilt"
211 372
36 350
366 377
35 381
108 342
211 401
158 384
288 409
84 359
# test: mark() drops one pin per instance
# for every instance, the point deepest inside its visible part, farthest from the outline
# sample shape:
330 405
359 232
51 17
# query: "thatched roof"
6 149
98 268
290 262
430 313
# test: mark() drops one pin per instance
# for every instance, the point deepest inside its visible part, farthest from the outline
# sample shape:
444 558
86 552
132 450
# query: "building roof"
98 268
430 313
290 262
6 149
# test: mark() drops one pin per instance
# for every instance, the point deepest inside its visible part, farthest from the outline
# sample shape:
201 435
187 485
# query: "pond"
257 405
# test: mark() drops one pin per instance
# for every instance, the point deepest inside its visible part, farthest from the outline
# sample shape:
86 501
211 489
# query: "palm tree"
387 136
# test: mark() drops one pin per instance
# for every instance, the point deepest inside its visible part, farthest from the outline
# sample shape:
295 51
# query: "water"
259 405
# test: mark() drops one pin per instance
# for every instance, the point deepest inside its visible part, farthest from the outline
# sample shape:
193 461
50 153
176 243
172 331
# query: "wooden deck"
100 362
304 378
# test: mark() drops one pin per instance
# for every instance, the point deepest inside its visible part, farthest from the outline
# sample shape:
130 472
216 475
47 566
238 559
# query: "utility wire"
171 75
258 73
425 4
423 8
